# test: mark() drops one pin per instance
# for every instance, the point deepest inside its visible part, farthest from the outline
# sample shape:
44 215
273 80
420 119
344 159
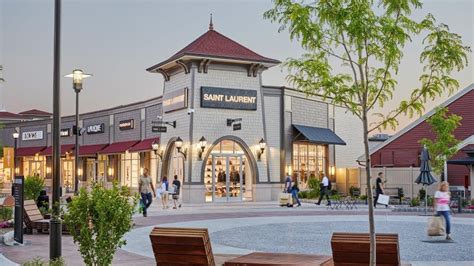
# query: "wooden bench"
175 246
34 220
354 249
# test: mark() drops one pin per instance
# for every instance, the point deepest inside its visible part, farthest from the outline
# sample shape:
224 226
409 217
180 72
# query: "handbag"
383 199
436 226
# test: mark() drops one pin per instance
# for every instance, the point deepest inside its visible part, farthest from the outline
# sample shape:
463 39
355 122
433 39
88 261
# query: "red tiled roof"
28 151
214 44
8 115
87 150
35 112
144 145
118 147
64 148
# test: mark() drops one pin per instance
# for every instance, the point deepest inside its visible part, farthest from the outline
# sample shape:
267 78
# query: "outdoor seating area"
193 246
34 220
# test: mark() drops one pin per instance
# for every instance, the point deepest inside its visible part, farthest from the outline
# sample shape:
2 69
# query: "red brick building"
403 149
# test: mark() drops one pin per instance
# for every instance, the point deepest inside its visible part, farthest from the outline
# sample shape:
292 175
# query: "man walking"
325 188
177 187
144 185
379 189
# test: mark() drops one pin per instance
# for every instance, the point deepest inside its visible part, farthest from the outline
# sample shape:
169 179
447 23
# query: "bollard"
459 202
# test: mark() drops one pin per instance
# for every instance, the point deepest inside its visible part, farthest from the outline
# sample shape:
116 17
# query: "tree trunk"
369 193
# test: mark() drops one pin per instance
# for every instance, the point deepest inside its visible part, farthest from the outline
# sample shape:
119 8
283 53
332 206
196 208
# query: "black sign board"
95 129
126 124
237 126
65 132
226 98
159 129
18 194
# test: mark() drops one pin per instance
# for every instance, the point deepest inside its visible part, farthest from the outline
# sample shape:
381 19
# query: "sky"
116 40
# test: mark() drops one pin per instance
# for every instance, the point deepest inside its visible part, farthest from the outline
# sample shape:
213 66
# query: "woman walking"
295 189
164 192
441 205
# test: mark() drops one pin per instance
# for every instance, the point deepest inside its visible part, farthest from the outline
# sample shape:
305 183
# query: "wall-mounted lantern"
202 145
179 146
156 148
262 144
332 170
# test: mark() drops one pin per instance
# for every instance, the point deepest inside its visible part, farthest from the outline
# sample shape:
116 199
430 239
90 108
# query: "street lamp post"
55 222
77 76
15 135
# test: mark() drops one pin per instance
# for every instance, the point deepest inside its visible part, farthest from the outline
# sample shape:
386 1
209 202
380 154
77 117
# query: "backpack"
329 184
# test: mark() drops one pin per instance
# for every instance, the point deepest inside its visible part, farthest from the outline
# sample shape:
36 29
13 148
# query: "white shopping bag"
383 199
436 226
158 193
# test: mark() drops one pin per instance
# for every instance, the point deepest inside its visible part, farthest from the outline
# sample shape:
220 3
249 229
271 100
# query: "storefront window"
34 165
309 159
130 169
96 169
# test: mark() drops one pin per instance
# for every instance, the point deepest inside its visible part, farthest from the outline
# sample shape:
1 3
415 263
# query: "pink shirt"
442 200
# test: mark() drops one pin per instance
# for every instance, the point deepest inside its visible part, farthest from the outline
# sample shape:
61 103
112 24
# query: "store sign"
225 98
161 129
175 100
96 129
126 124
32 135
65 132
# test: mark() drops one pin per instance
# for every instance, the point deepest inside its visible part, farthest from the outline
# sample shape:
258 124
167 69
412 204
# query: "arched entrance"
229 171
173 163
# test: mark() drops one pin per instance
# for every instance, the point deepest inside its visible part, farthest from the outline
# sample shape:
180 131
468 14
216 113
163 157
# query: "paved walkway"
237 229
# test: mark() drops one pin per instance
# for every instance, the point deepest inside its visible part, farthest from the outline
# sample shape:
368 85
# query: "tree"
445 143
98 221
367 39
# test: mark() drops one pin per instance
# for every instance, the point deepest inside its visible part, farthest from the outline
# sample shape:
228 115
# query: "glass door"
68 178
234 177
227 177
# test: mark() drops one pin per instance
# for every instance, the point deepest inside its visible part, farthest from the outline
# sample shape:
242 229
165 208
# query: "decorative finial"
211 25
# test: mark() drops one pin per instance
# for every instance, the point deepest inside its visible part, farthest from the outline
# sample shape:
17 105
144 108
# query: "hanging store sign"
237 126
32 135
225 98
175 100
65 132
126 124
8 155
95 129
161 129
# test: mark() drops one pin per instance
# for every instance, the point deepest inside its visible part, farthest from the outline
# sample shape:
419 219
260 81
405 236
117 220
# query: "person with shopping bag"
441 201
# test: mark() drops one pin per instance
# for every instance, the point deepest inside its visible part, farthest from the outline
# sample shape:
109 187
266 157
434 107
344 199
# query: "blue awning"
319 135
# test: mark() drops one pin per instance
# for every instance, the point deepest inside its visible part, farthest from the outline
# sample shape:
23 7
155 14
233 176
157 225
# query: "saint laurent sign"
65 132
175 100
226 98
32 135
126 124
95 129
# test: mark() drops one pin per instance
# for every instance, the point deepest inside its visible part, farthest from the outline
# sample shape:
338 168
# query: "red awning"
91 150
144 145
28 151
64 148
118 147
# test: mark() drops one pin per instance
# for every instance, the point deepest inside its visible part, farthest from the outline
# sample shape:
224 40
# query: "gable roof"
213 44
415 123
10 116
35 112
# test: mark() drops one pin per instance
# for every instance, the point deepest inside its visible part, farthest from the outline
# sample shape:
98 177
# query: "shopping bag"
140 206
158 193
436 226
285 199
383 199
